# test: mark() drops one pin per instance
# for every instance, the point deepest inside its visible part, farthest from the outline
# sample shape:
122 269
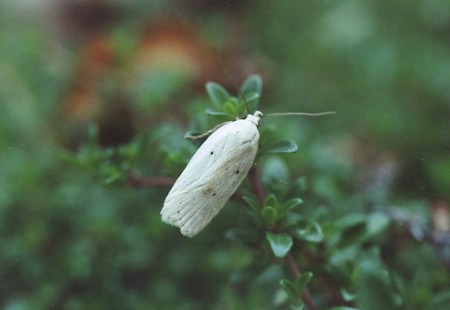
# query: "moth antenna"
245 101
301 113
235 85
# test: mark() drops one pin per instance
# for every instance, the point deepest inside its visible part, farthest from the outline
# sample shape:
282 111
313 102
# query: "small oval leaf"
269 215
271 200
252 203
231 107
290 288
251 92
309 231
217 93
294 289
303 280
215 113
283 146
253 84
289 205
280 244
251 101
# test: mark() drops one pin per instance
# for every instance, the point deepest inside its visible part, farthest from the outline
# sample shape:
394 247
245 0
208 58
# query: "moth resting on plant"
212 175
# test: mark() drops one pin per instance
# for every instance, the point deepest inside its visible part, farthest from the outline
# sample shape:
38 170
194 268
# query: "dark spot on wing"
209 191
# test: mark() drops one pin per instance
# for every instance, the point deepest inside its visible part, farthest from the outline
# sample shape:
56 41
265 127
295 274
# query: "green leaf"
347 296
252 203
217 93
271 200
297 306
303 280
269 215
251 97
283 146
374 288
112 174
289 205
253 84
377 222
242 236
275 173
251 91
130 151
309 231
251 100
291 289
280 244
231 107
216 113
294 289
343 308
352 228
440 300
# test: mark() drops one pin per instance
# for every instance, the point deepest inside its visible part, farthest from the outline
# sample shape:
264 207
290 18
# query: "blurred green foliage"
348 221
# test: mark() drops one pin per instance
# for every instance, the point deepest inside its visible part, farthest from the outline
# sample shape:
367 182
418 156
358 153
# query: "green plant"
319 258
357 217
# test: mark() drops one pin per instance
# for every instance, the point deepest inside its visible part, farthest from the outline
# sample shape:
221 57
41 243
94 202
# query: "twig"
256 184
138 181
290 262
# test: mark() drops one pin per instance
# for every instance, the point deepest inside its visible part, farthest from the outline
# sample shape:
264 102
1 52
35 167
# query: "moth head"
255 117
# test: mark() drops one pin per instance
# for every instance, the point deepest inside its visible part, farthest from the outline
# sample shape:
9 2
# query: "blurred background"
90 90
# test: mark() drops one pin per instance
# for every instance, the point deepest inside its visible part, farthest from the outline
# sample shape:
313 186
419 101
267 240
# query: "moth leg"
205 134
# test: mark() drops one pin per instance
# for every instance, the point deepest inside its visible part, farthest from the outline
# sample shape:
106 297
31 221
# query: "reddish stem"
137 181
256 184
295 270
290 262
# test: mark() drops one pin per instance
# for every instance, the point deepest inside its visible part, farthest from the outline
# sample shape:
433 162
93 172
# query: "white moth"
212 175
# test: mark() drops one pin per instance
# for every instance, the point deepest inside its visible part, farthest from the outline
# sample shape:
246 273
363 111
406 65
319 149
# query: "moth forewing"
212 175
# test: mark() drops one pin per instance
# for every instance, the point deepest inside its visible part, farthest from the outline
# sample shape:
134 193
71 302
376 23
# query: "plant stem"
256 184
290 262
137 181
295 270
